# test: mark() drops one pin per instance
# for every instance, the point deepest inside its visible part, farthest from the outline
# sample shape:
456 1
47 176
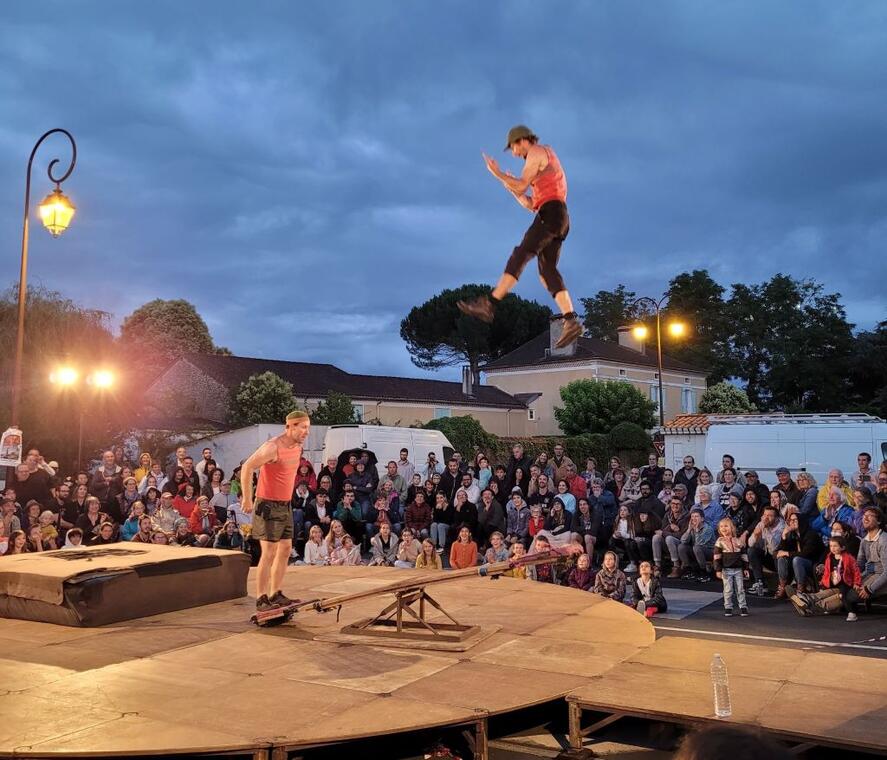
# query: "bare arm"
267 452
533 166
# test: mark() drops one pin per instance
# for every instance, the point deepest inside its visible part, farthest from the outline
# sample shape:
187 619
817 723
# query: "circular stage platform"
205 680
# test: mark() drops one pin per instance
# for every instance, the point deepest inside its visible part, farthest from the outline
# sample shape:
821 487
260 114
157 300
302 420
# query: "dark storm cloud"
305 173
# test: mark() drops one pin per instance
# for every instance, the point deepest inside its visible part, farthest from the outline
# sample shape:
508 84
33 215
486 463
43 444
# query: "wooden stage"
205 680
807 698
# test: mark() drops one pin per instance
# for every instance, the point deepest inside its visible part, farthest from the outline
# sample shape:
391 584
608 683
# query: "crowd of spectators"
822 546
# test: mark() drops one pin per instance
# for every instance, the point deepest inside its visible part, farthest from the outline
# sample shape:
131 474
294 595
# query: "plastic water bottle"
723 708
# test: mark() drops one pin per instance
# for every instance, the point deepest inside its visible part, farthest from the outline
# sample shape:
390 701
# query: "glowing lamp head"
639 332
64 376
102 378
677 329
56 211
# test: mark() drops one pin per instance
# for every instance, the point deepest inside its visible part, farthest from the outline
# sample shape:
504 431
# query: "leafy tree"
695 299
725 398
786 340
631 442
868 381
60 331
790 343
593 406
168 329
264 397
336 409
465 433
609 310
438 335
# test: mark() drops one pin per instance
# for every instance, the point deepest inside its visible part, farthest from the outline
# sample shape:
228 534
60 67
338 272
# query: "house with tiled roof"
536 371
198 386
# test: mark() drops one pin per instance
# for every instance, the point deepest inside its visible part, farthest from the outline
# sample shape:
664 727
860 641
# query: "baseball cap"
782 471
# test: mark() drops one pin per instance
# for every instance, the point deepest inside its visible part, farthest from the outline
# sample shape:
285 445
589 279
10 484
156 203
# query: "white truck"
386 443
231 448
763 442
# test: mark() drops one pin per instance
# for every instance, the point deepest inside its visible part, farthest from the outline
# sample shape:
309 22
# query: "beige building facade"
536 372
199 386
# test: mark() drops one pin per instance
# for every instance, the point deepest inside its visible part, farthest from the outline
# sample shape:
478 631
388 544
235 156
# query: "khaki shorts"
272 521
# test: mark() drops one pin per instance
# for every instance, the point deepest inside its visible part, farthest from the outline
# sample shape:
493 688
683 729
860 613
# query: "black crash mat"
106 584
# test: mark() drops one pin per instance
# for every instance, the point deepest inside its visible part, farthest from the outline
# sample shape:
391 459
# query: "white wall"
678 446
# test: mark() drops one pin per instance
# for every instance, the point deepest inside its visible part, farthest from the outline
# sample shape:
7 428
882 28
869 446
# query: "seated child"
841 573
647 592
610 580
581 576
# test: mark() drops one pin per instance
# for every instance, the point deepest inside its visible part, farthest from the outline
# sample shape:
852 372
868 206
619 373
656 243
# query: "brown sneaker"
480 308
572 331
675 571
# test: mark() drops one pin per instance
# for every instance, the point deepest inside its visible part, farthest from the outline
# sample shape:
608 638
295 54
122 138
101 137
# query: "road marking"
769 638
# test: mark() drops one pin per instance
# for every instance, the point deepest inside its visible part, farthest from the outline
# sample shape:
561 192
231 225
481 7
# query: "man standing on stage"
544 176
273 519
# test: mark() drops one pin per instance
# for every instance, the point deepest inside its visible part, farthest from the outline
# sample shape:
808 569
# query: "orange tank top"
277 479
551 183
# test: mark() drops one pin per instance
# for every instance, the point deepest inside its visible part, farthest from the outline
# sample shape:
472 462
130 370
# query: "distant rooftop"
316 380
534 353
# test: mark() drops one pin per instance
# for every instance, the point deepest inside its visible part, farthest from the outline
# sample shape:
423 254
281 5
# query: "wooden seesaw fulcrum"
405 621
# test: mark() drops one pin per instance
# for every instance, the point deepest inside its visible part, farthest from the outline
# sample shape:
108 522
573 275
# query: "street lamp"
68 378
675 329
56 211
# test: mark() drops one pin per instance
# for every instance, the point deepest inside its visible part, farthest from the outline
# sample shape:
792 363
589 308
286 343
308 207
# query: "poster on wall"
11 447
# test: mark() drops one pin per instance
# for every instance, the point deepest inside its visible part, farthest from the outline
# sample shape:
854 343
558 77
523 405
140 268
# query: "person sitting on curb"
674 525
872 561
839 576
697 547
763 545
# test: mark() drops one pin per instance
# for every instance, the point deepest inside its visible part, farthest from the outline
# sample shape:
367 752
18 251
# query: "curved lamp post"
640 331
56 211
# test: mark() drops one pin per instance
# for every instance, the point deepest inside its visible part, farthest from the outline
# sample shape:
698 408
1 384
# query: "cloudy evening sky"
305 173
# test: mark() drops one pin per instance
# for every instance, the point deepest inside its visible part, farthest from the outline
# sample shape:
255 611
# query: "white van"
812 442
386 443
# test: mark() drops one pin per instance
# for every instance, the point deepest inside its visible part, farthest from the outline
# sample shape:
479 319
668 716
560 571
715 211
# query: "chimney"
627 340
467 382
555 329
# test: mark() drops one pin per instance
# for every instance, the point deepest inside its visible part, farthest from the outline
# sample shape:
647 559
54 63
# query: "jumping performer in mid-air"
279 460
544 176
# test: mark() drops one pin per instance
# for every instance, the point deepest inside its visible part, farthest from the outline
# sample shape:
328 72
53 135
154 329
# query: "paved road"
772 622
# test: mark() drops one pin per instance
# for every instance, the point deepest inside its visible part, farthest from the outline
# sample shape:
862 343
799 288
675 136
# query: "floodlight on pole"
65 376
675 328
102 378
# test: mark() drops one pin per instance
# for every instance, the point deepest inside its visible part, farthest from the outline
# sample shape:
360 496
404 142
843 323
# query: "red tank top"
277 479
551 184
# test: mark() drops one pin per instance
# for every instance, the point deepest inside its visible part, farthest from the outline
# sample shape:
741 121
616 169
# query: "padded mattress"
106 584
